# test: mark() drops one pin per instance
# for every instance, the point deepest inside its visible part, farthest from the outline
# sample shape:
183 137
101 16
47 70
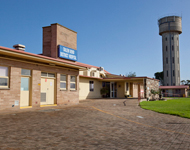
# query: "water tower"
169 29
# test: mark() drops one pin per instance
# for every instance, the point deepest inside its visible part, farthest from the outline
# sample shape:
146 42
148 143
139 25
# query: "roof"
18 53
50 58
91 66
119 78
63 62
175 87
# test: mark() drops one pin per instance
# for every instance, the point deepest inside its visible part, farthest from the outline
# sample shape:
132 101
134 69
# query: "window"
103 84
173 73
174 84
172 38
166 38
73 83
4 77
166 60
25 72
91 83
172 47
173 59
178 91
166 48
63 82
167 73
45 74
127 86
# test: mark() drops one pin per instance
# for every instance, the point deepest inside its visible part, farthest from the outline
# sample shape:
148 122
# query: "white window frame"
5 77
73 82
63 81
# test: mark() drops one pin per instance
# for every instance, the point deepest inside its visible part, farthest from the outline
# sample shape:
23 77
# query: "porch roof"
118 78
175 87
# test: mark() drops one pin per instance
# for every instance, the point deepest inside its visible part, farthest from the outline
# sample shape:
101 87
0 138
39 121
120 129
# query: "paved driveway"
94 124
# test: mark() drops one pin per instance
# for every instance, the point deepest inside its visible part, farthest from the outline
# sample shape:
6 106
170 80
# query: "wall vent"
43 97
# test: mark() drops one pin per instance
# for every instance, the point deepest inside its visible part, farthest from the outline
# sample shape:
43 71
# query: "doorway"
47 89
24 92
25 95
113 89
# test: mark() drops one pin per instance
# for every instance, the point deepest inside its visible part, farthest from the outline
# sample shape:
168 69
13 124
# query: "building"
175 91
170 28
55 78
93 79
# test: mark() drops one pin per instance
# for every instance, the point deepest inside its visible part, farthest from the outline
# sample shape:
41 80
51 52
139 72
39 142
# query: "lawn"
179 107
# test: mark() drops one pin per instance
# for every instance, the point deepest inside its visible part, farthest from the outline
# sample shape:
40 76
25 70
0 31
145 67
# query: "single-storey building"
55 77
175 91
93 79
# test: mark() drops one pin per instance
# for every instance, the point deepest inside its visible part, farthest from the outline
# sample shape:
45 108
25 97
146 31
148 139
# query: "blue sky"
119 35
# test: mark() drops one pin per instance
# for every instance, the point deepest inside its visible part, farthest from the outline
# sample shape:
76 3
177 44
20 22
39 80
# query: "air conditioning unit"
101 68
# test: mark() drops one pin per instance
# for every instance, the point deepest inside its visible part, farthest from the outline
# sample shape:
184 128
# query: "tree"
160 76
131 74
188 82
185 82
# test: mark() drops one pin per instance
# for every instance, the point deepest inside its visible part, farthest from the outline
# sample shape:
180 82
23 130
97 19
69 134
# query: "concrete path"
94 124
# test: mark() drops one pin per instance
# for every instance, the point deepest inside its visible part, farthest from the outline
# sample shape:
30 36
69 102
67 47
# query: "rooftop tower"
169 29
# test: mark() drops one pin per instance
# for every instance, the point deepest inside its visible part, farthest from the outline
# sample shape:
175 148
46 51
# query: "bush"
104 91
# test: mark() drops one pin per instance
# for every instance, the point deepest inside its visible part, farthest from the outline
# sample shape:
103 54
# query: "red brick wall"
8 96
47 41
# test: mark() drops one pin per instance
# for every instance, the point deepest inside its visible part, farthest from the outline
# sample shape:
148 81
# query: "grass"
179 107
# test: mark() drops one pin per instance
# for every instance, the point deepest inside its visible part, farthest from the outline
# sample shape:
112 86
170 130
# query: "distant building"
169 29
175 91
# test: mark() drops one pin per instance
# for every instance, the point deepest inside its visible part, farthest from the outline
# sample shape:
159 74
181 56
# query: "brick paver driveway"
94 124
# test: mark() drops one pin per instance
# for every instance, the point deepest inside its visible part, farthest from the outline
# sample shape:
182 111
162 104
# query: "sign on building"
67 53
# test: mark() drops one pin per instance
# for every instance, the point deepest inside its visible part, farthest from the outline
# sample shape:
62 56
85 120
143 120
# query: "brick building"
56 78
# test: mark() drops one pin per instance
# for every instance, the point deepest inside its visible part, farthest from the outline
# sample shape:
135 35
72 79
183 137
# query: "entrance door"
113 91
24 91
135 90
47 91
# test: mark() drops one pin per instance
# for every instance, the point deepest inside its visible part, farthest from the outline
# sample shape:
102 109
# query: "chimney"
19 47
